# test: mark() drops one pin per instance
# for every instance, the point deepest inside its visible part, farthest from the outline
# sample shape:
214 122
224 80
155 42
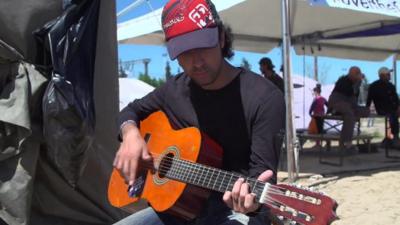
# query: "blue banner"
384 7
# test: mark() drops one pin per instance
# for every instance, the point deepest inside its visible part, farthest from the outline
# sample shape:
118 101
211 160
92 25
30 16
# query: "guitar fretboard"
206 177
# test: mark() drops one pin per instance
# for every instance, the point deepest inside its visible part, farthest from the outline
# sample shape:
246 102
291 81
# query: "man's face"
263 69
202 65
355 74
385 76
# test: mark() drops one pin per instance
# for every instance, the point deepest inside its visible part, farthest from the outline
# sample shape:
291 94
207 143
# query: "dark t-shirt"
227 125
345 87
250 109
384 96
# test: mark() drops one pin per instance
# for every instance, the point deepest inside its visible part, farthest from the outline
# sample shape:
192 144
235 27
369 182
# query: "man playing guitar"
238 109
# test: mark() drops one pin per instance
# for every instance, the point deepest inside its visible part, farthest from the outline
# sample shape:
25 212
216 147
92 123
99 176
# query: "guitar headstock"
300 205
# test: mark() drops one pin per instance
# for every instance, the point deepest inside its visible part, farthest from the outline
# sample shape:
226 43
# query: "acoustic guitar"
187 163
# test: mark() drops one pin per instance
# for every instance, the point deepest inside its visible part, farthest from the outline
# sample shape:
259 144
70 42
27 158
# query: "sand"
366 187
365 196
368 198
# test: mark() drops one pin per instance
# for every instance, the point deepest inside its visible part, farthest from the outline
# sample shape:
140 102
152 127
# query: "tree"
151 81
121 71
168 73
245 64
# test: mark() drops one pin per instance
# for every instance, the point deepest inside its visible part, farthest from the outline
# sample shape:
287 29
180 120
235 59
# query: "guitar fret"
176 171
199 175
215 180
222 182
192 178
180 171
188 172
210 180
202 175
227 186
171 172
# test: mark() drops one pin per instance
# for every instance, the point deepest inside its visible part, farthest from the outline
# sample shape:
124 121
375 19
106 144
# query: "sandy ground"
371 197
366 187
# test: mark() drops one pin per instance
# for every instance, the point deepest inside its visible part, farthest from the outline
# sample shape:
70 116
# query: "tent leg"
292 164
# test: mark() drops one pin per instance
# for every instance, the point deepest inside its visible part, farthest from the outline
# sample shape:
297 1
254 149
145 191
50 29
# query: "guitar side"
163 194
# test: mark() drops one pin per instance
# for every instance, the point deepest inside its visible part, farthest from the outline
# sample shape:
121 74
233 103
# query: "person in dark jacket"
386 101
231 105
267 70
343 101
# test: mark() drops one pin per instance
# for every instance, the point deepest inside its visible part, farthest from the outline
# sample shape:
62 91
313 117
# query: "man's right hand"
131 153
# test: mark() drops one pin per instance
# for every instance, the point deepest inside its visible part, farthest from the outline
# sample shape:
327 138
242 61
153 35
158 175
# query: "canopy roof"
256 25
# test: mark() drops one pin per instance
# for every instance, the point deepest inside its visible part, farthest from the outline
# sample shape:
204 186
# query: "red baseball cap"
189 24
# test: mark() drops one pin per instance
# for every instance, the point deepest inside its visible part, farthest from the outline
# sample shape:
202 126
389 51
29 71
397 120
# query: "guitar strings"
202 168
272 189
163 168
192 167
269 199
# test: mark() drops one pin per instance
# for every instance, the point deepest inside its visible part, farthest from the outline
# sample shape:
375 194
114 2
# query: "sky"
329 68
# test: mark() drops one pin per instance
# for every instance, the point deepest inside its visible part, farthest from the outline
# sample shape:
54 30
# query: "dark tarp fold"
25 172
68 105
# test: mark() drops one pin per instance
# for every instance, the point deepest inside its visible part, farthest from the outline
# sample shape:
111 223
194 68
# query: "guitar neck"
303 206
207 177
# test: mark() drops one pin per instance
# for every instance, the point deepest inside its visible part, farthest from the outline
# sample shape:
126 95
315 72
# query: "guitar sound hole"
165 165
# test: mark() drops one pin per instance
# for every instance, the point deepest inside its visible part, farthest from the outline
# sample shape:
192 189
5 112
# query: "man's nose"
197 58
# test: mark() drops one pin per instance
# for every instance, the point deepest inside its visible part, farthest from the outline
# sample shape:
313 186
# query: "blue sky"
330 68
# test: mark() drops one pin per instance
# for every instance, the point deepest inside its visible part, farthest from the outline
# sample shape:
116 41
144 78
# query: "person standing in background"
267 70
317 110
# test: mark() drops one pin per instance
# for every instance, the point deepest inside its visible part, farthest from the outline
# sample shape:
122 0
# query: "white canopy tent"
256 25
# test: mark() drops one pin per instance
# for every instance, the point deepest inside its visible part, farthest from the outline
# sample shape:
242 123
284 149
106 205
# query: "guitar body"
189 156
163 194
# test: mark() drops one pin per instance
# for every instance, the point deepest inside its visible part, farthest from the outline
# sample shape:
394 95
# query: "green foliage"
168 73
151 81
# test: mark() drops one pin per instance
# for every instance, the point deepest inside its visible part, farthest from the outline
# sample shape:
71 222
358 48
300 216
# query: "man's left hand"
240 199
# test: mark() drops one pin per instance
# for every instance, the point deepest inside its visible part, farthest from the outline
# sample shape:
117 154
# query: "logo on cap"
201 16
173 21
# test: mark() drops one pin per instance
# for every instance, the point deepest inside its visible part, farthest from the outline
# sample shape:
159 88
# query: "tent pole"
290 130
316 68
130 7
395 57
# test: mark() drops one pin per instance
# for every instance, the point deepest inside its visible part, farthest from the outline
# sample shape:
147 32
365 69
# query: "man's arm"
264 158
266 134
370 96
139 109
311 108
396 97
133 149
